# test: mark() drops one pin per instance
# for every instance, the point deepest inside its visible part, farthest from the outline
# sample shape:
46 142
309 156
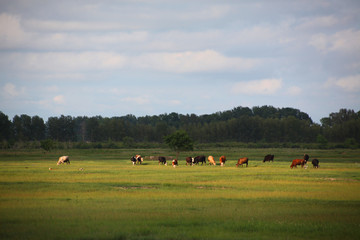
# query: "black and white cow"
162 160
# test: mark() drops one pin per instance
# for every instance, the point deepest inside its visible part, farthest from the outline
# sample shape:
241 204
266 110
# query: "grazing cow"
211 160
268 158
162 160
201 159
296 162
133 160
189 160
315 163
139 159
174 163
306 158
241 161
63 159
222 160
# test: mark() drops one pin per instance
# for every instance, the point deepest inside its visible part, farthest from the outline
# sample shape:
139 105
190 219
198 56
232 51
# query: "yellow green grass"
112 199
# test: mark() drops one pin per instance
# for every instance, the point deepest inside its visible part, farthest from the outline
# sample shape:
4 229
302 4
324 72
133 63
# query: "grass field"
112 199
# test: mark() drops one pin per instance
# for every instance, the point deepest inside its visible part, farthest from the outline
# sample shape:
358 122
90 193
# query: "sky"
144 57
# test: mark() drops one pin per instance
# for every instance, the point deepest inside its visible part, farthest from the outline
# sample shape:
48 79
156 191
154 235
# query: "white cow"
63 159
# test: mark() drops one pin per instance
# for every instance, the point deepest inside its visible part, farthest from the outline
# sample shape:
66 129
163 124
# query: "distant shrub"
47 145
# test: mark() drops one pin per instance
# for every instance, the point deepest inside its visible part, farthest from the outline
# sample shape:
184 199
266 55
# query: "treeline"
264 124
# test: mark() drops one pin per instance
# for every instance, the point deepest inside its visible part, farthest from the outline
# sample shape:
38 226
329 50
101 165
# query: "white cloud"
211 12
60 62
65 26
320 42
72 64
349 83
11 90
137 100
318 22
175 102
258 87
60 99
346 41
11 33
294 91
191 61
257 34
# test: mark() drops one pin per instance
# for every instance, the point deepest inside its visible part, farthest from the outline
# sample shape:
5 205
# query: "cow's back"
296 162
241 161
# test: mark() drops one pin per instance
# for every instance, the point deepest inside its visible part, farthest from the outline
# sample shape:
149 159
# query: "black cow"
315 163
133 159
162 160
201 159
268 158
306 158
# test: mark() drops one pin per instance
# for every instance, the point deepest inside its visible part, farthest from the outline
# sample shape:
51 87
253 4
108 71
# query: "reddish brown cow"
296 162
241 161
222 160
174 163
189 160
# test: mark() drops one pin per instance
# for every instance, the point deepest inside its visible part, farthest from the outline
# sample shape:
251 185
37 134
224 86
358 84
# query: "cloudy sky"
144 57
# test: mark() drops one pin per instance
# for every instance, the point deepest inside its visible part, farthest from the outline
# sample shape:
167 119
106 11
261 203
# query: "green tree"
47 145
128 142
22 127
322 141
61 129
5 127
179 141
37 128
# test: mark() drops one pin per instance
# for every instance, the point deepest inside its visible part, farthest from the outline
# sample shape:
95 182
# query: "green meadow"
101 195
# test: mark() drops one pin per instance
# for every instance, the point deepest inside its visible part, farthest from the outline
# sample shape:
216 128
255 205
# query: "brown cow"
63 159
211 160
189 160
222 160
241 161
296 162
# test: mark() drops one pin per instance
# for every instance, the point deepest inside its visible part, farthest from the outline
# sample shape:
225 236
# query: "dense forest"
266 125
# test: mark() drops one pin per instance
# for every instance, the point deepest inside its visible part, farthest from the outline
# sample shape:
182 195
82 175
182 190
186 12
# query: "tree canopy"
179 141
241 124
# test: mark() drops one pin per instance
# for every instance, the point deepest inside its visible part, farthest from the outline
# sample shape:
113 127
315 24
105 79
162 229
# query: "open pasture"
101 195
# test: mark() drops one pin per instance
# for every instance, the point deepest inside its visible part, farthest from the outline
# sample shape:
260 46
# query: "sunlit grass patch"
109 198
